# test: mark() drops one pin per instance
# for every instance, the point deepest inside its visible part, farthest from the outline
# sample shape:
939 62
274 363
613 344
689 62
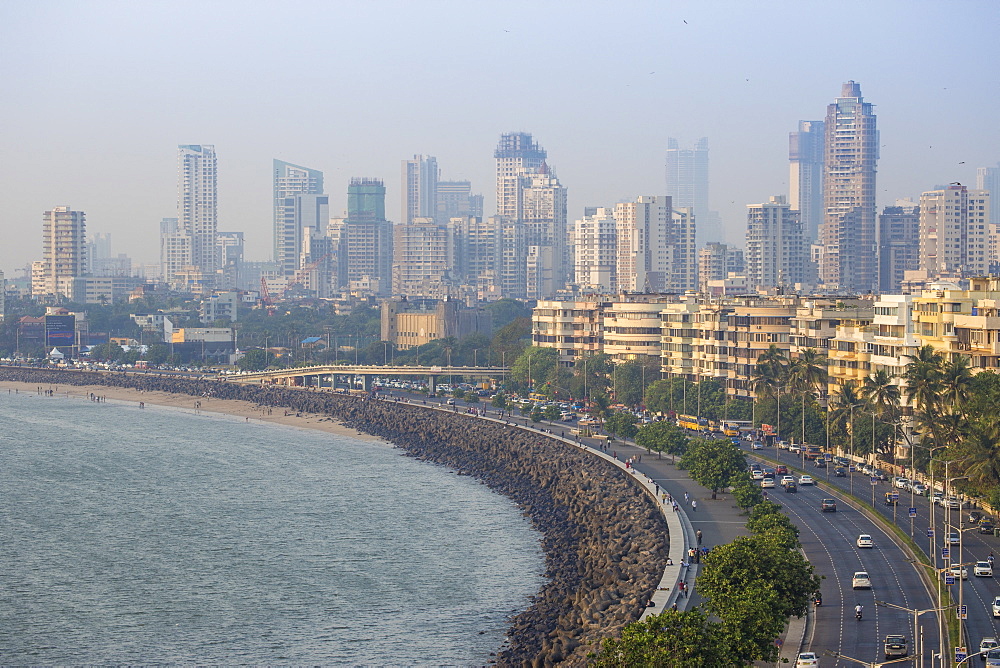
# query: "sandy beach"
244 409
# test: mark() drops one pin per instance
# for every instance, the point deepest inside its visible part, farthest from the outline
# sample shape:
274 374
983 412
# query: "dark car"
820 463
829 506
895 647
840 472
791 487
986 525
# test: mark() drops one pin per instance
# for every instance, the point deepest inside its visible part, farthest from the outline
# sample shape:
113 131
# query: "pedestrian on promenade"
686 499
698 535
694 505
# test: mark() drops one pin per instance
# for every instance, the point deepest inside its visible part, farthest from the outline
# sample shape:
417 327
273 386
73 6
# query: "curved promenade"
604 537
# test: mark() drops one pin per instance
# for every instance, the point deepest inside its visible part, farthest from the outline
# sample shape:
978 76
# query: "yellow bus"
735 427
692 422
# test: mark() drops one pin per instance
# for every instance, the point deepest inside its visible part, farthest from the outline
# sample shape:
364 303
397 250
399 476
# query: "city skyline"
929 97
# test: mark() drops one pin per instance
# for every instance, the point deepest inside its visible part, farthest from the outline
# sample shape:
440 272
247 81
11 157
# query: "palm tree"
956 381
847 400
808 375
983 447
882 396
771 372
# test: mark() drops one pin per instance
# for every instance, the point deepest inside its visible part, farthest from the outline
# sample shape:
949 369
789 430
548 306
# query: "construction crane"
266 296
300 276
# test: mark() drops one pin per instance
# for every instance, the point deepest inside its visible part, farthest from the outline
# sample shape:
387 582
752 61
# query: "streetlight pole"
917 631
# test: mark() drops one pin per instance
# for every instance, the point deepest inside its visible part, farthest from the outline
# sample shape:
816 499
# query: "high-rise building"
988 178
299 202
477 251
423 259
805 175
595 243
776 253
197 213
516 154
716 262
687 185
847 234
655 248
954 224
898 245
365 238
175 250
420 182
64 252
455 200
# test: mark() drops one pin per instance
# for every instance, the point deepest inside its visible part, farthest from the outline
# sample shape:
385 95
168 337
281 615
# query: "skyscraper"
898 244
420 181
805 175
197 207
954 232
455 200
776 253
687 185
423 258
366 237
299 202
651 239
64 252
988 178
595 243
847 234
516 154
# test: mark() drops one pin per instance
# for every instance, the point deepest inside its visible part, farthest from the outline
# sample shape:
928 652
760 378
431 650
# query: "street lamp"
917 631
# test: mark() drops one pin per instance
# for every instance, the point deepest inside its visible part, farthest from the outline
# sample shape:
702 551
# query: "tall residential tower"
197 214
299 203
805 176
847 234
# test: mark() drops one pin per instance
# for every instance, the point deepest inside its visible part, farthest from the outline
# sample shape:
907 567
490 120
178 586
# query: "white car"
787 479
918 488
756 445
983 569
757 475
996 606
807 660
986 644
952 538
864 540
806 480
901 483
862 581
794 449
767 483
958 571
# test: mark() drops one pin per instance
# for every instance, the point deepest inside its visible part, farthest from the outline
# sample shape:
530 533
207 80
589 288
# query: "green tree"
255 359
882 397
661 437
551 413
506 311
622 423
714 463
499 401
533 367
683 639
747 493
536 414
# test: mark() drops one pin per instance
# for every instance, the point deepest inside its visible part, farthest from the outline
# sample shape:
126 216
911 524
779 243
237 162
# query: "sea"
166 536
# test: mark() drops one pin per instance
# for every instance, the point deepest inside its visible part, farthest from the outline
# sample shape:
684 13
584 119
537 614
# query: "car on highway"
767 483
806 480
757 474
781 469
756 445
895 647
794 449
864 540
986 525
958 571
992 658
953 502
861 581
918 488
986 644
901 483
791 488
820 463
983 569
450 402
785 479
829 506
996 606
840 472
807 660
952 538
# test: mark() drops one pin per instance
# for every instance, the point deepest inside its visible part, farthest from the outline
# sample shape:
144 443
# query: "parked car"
864 540
895 646
862 581
829 506
983 569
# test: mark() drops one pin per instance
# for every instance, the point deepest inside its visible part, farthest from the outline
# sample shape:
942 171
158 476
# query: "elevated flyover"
326 376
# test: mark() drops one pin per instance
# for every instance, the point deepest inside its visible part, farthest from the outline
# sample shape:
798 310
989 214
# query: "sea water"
162 535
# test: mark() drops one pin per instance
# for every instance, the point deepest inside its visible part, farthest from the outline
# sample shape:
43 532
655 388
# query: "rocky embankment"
605 541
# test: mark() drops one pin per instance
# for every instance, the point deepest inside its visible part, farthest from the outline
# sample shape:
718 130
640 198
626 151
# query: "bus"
692 422
736 427
812 452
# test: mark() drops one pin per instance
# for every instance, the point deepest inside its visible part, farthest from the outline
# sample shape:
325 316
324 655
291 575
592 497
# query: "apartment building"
574 328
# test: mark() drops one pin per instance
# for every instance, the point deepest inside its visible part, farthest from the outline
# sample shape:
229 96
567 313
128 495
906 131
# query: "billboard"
60 331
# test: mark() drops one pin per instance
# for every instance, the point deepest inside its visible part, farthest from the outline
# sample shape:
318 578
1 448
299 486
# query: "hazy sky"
95 96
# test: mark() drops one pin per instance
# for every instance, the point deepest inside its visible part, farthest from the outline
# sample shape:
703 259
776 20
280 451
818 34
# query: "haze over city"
97 96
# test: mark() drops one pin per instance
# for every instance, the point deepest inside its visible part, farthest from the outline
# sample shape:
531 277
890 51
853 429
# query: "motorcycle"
818 601
857 613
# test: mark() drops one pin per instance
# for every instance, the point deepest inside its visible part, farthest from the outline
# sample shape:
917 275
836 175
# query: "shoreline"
604 539
232 407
